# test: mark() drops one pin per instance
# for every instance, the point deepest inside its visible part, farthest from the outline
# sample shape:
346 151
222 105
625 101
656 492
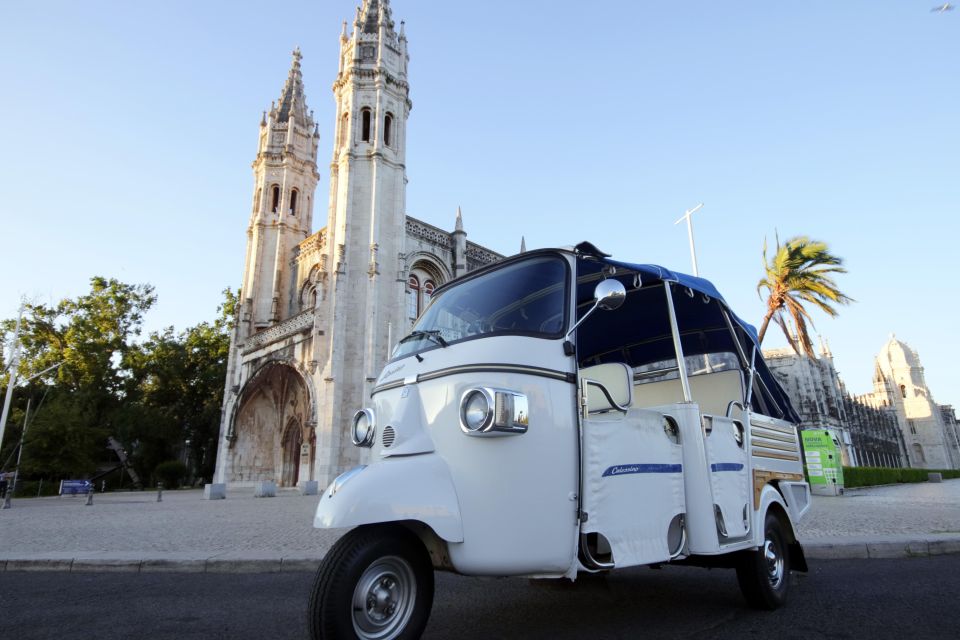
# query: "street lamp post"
12 380
693 251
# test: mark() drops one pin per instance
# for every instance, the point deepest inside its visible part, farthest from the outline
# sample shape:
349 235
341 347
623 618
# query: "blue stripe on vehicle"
726 466
624 469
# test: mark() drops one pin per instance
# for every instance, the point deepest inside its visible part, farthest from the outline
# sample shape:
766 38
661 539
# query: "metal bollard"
90 496
159 492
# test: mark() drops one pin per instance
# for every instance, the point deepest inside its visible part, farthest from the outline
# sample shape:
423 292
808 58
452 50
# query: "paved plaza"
135 532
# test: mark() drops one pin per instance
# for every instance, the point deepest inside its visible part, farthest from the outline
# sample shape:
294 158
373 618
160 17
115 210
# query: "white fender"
397 488
768 496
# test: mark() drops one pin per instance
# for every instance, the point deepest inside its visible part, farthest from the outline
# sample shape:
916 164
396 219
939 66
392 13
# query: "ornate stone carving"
300 323
479 255
429 233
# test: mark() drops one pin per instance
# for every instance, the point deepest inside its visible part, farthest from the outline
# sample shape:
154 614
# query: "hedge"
870 476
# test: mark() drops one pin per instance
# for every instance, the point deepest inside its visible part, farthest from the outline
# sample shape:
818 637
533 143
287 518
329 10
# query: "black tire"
385 567
764 573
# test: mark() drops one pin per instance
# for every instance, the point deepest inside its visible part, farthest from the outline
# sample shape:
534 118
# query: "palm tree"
799 272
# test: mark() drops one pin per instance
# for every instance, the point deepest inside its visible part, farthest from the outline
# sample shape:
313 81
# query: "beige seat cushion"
616 377
712 391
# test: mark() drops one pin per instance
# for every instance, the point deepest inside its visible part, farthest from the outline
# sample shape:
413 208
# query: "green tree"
178 382
91 337
799 272
153 395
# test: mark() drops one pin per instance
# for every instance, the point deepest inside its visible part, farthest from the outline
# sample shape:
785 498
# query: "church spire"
293 102
372 13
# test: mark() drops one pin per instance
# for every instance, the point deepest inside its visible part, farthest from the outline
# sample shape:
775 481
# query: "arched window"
365 124
344 121
428 288
918 452
275 198
387 128
413 298
903 391
293 201
256 200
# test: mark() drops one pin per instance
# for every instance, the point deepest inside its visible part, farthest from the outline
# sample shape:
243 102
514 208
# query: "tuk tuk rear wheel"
375 583
764 573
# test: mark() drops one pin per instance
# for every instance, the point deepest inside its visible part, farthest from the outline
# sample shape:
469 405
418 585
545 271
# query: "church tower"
285 179
365 225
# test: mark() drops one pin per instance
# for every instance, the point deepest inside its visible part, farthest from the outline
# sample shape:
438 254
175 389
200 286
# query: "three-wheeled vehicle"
555 413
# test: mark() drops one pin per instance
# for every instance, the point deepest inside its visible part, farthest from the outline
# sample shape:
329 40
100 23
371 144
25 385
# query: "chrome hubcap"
383 599
774 560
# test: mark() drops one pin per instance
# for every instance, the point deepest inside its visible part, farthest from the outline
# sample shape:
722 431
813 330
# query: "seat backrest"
617 379
712 391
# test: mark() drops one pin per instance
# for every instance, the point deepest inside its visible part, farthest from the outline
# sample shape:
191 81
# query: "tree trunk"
763 327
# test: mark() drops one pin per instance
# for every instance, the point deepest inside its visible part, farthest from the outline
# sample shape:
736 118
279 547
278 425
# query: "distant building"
319 311
897 424
869 435
929 430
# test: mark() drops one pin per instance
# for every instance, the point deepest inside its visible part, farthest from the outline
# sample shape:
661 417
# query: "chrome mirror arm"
580 321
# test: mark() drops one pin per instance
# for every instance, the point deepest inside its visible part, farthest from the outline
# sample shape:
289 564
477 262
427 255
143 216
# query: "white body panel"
633 484
413 488
730 481
516 494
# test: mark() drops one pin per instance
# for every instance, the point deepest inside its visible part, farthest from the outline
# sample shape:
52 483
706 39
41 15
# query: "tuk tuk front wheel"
764 573
375 583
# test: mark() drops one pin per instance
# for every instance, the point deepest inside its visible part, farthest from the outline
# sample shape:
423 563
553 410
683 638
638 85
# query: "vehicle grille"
389 435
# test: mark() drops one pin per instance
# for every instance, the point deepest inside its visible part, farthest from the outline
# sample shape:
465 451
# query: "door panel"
632 484
729 476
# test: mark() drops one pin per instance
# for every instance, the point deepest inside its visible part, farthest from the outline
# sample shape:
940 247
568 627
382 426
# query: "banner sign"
74 487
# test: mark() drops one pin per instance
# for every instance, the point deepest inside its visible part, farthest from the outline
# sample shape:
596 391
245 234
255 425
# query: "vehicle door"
632 475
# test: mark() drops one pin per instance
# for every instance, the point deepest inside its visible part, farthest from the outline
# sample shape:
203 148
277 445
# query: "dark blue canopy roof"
640 330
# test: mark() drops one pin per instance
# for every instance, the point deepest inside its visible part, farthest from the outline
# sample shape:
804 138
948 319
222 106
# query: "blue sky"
130 129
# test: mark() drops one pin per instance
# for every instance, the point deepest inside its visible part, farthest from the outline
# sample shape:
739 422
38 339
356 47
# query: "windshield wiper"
432 334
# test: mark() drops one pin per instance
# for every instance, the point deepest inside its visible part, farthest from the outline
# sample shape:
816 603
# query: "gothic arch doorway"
268 426
290 444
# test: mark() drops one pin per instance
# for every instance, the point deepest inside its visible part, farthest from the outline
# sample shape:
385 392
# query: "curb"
264 562
156 563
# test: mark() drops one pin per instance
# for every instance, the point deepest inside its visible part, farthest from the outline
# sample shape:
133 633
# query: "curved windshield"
526 298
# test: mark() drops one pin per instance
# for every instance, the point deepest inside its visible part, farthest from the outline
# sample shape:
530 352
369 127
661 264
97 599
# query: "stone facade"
869 435
320 311
897 424
899 382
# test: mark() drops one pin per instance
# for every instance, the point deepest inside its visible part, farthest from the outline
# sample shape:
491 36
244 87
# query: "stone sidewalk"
134 532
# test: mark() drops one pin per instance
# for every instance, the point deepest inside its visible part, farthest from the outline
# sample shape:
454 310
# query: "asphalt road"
913 597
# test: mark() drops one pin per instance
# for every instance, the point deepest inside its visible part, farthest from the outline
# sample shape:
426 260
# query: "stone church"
930 433
320 311
898 424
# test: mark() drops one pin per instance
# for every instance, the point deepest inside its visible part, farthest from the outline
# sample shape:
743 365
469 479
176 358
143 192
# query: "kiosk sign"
823 461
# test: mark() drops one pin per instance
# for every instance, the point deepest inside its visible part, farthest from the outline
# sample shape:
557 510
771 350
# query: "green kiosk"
823 461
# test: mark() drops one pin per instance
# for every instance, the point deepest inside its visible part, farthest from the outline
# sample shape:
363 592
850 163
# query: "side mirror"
608 295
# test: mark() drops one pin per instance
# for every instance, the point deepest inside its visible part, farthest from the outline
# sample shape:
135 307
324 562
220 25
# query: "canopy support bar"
675 330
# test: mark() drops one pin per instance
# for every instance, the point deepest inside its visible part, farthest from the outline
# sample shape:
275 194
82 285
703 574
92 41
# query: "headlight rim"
367 440
488 417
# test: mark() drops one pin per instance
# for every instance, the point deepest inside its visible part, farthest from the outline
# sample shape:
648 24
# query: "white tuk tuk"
555 413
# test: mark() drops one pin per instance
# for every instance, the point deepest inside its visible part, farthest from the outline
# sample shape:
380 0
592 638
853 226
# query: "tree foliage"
159 396
799 272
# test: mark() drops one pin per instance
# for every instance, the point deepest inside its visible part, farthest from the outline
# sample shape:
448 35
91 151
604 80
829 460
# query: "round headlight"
476 410
363 428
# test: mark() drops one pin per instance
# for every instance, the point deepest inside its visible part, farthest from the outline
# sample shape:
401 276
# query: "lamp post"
12 381
693 252
6 404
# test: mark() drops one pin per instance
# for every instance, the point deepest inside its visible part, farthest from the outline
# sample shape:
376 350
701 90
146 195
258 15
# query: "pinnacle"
293 102
372 13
